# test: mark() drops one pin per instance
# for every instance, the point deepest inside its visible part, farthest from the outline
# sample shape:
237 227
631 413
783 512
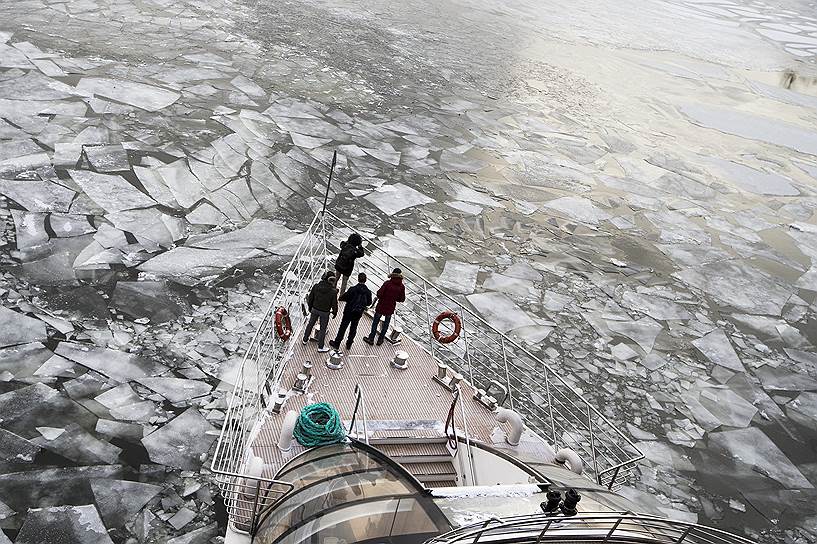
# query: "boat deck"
407 399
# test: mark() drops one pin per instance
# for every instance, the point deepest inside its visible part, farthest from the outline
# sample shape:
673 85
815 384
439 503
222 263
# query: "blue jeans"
375 321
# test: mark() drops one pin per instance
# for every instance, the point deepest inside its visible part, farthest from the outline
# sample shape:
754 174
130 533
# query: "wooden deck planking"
389 394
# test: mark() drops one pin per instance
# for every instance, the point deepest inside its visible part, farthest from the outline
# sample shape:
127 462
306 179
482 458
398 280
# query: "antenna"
329 183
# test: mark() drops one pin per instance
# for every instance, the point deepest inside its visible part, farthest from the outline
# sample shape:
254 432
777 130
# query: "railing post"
254 508
550 408
612 530
467 351
684 534
613 477
428 319
507 374
593 443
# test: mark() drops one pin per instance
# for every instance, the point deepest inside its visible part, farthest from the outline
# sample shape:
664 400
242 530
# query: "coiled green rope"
318 425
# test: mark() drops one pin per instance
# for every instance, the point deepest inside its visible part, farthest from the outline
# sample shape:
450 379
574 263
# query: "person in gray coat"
321 300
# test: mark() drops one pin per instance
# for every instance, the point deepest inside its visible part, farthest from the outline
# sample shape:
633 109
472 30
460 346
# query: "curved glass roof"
343 494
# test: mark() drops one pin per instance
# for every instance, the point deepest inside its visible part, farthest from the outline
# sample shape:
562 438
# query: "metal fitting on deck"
400 360
306 368
335 360
395 335
280 398
442 377
287 430
504 415
301 382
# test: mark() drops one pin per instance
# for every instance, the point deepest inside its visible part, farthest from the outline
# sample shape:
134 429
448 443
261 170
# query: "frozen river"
633 183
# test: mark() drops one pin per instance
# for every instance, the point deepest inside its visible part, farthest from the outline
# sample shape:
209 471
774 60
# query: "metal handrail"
601 527
360 402
610 453
467 440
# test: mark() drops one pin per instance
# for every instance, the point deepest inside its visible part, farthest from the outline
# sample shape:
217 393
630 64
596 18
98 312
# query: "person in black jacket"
357 299
350 250
322 299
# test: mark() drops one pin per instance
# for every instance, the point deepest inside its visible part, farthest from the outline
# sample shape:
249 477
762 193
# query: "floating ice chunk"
182 518
754 181
623 352
465 207
38 196
117 429
199 536
80 446
65 524
500 311
716 347
655 306
108 158
461 192
66 225
742 287
247 86
30 229
50 433
578 209
459 277
176 390
15 450
391 199
556 302
643 332
148 225
181 442
112 193
189 265
121 395
780 379
747 125
206 214
512 286
17 328
752 447
186 188
151 299
138 411
120 500
146 97
456 162
11 58
118 365
803 410
390 157
308 142
665 455
57 366
727 407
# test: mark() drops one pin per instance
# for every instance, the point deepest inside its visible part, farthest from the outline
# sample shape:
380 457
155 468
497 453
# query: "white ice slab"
146 97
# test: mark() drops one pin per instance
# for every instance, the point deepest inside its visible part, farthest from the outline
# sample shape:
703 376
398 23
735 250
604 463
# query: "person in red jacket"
390 293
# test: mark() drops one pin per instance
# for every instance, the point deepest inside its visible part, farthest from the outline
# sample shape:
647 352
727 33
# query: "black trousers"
348 320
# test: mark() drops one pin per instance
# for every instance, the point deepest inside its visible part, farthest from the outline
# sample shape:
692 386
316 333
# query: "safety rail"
551 407
590 527
260 370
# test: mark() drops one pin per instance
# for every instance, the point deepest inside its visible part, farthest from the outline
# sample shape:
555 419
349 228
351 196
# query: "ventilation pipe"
571 459
504 415
287 428
255 469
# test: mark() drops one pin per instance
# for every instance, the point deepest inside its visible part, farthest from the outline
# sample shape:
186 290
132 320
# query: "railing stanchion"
550 408
467 351
612 530
593 444
428 319
507 373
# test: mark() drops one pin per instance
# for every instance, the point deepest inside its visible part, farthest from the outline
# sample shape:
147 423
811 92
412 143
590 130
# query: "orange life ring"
453 317
283 325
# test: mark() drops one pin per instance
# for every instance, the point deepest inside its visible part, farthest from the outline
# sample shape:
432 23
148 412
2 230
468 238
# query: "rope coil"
319 425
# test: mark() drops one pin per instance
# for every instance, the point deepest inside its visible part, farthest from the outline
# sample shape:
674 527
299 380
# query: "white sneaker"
323 350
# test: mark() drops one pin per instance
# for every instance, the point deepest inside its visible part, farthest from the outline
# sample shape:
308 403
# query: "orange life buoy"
454 318
283 325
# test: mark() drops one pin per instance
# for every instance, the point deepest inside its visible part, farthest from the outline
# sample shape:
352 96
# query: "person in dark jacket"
390 293
321 300
350 250
357 299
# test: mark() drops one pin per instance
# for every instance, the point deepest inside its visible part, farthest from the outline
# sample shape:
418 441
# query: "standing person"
350 250
321 300
357 299
390 293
